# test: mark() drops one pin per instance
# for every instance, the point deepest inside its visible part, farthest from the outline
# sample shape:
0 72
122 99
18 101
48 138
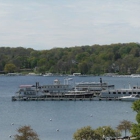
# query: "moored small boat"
133 97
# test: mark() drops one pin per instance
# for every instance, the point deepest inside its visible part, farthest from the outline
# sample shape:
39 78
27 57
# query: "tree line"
96 59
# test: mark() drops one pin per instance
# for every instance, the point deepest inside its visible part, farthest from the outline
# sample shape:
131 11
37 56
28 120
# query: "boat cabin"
28 90
57 87
119 93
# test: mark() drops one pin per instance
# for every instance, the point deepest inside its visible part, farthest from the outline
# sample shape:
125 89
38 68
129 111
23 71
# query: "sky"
47 24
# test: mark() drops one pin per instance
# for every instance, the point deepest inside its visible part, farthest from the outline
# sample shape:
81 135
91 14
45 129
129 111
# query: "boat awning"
25 86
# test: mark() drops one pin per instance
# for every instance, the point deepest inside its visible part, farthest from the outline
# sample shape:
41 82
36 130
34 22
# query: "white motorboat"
132 97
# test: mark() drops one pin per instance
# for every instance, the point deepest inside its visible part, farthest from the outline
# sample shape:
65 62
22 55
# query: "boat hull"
129 99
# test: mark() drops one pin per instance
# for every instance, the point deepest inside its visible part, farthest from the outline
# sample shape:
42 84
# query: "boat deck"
63 99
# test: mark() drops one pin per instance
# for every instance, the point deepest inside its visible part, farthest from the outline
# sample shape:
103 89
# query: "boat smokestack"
37 85
101 83
101 80
130 86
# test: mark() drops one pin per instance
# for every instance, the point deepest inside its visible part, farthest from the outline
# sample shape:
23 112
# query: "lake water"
67 116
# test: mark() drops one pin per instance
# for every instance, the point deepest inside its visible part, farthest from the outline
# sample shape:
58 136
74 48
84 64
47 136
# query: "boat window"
109 92
124 92
114 92
134 92
138 92
130 93
119 92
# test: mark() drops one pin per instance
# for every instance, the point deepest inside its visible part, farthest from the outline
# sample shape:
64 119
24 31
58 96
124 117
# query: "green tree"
107 131
138 70
136 106
124 126
9 68
42 69
83 67
138 117
136 126
26 133
86 133
136 131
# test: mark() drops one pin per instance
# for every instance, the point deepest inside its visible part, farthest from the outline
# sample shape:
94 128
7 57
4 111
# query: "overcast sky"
45 24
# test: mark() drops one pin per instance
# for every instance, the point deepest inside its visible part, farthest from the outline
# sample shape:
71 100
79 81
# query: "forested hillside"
95 59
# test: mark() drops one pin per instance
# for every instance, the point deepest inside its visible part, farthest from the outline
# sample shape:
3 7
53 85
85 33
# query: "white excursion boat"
26 92
132 97
71 96
93 86
68 86
58 87
117 93
36 92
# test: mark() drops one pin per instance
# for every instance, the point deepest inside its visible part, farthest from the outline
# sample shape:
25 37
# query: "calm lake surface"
67 116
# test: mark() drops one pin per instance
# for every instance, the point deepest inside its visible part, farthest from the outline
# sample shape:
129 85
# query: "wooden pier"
95 98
